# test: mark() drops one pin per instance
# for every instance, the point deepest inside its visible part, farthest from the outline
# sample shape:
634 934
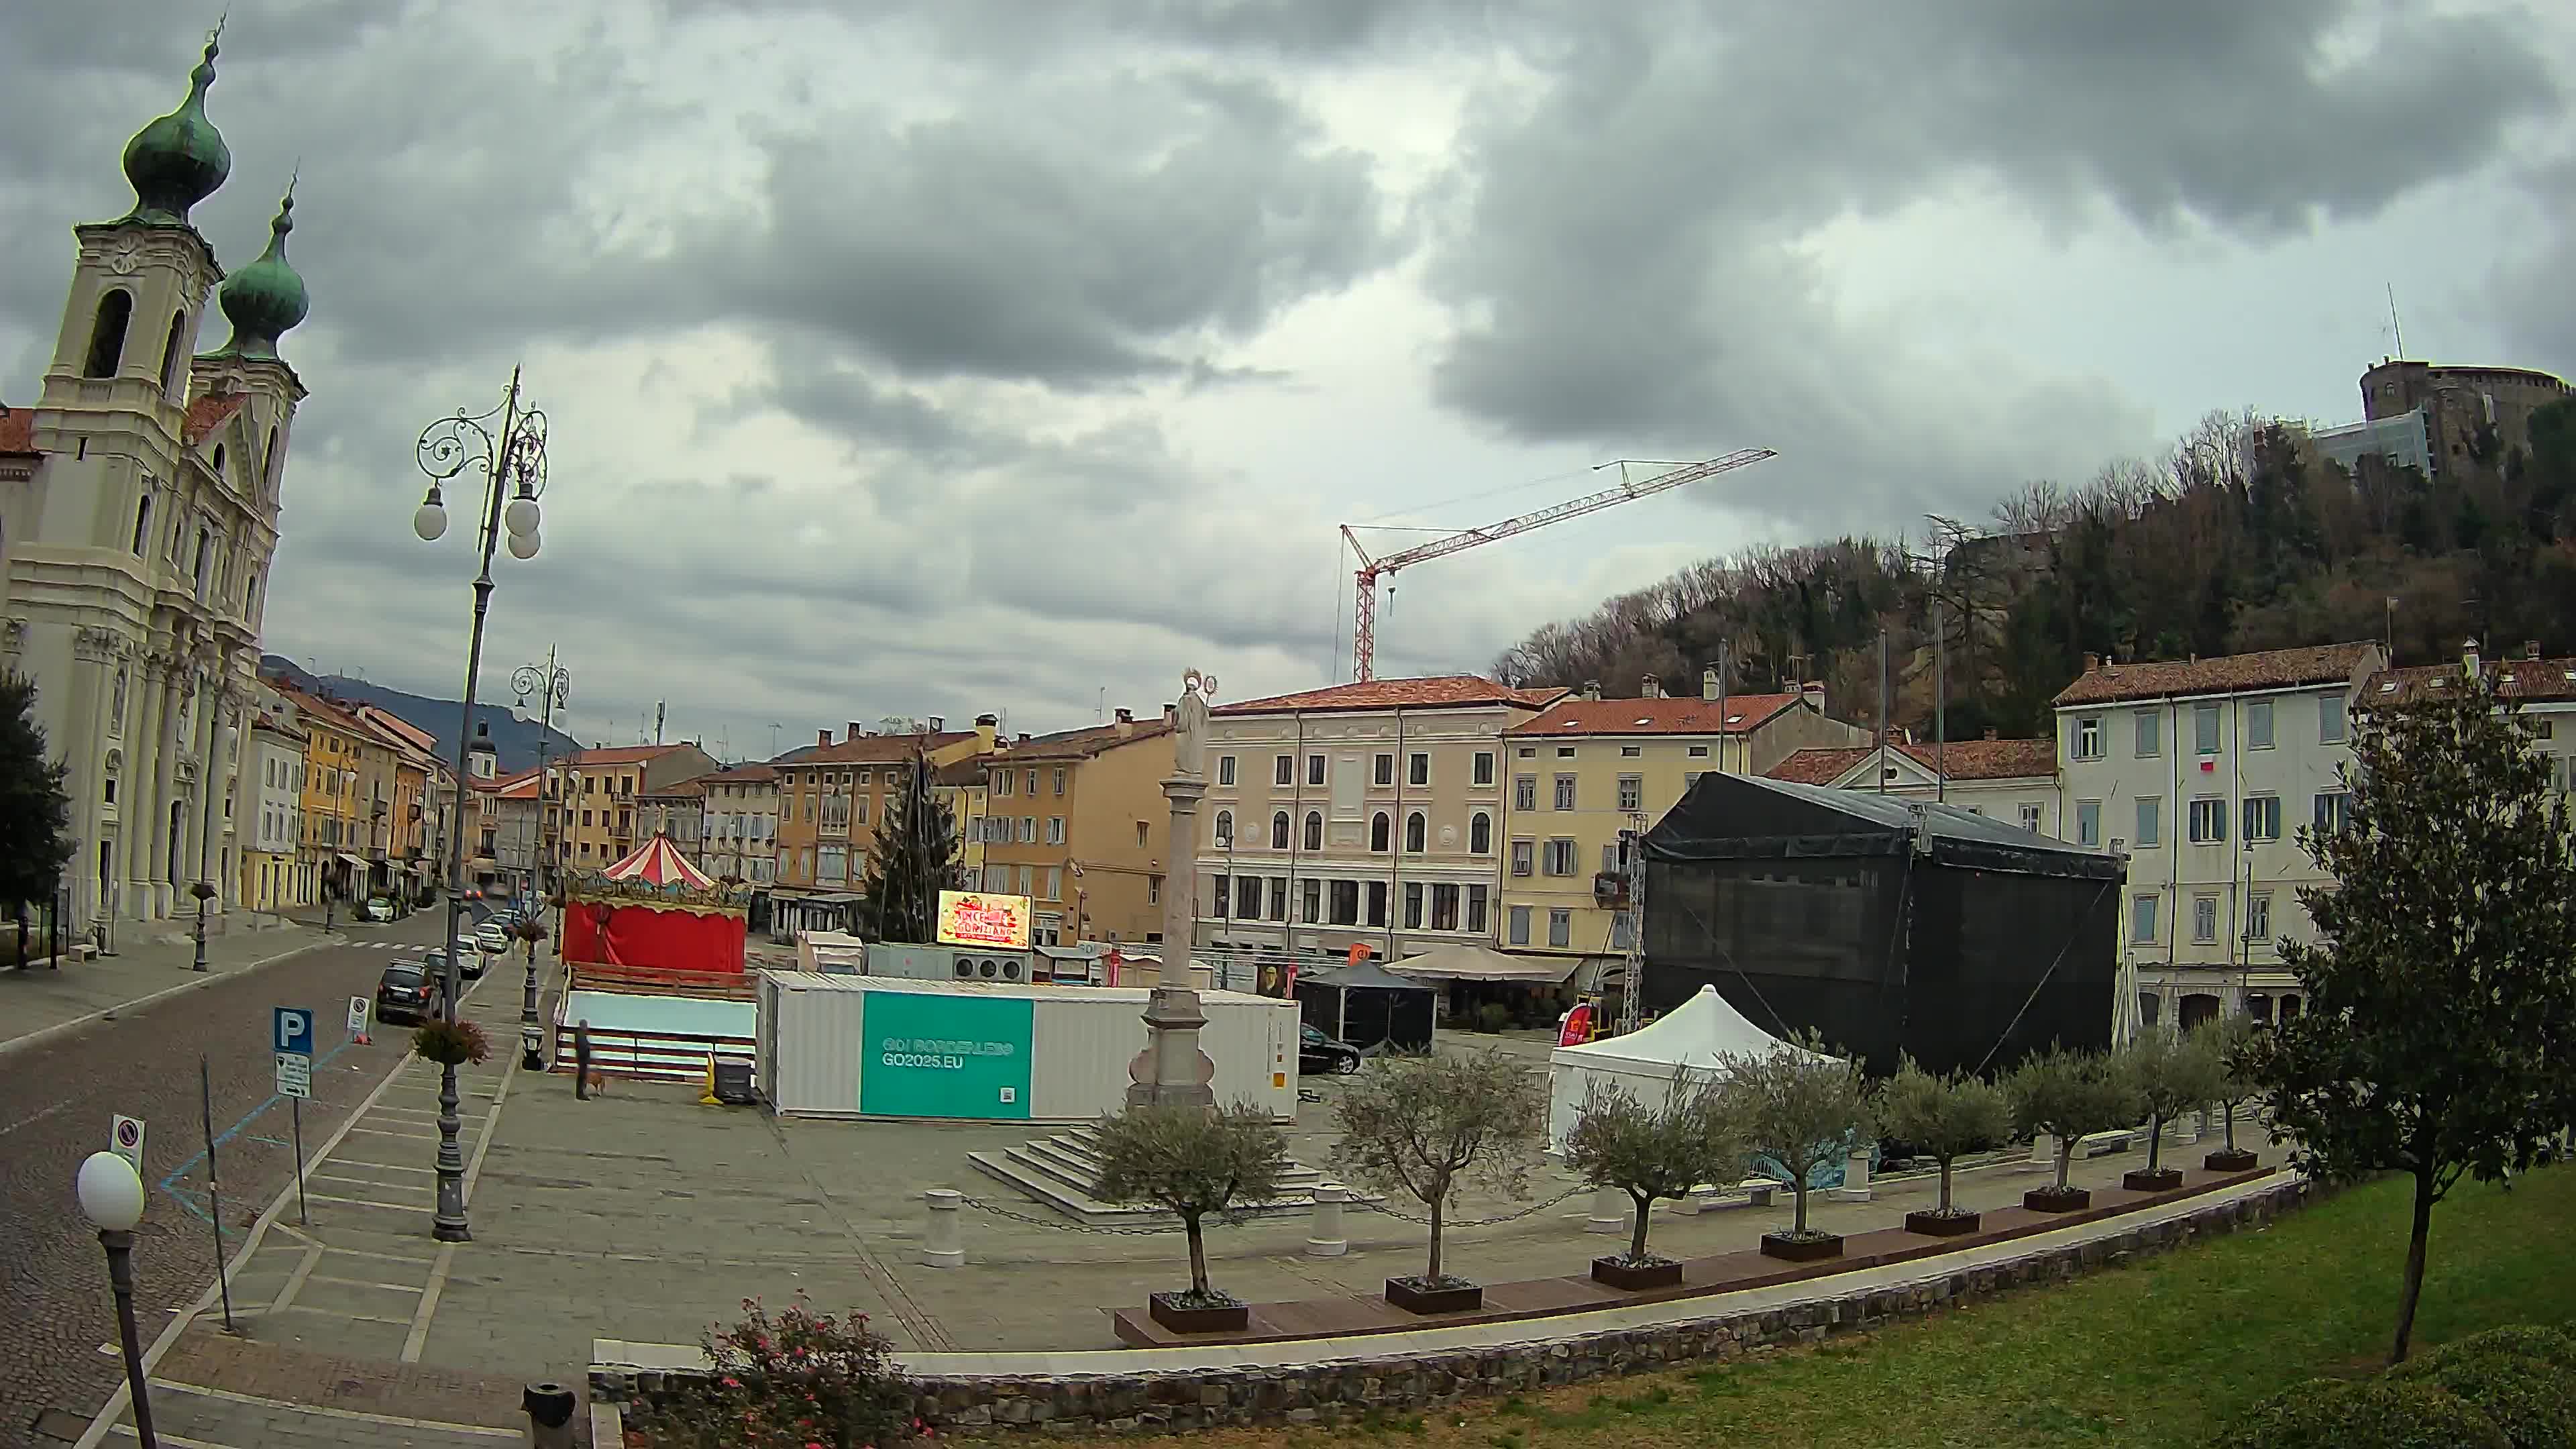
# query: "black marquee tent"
1369 1007
1890 925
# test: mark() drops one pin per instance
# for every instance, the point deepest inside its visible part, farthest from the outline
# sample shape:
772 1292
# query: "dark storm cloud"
1632 258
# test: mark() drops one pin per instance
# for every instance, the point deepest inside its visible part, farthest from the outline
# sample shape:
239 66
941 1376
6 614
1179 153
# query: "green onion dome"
178 160
266 298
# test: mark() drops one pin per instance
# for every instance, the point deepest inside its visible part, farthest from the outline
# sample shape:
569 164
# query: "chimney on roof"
2530 648
1592 689
2092 662
1651 687
1813 692
988 728
938 724
856 732
1126 723
994 720
2469 658
1708 684
1023 739
822 737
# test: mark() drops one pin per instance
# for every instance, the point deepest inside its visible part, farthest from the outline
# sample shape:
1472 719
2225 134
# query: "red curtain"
645 937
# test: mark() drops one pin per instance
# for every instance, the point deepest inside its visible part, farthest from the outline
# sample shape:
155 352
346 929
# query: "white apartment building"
2545 689
2202 771
2014 780
1362 814
273 879
741 827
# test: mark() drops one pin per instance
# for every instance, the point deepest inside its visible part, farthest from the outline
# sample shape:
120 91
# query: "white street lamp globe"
111 1196
429 522
523 545
521 515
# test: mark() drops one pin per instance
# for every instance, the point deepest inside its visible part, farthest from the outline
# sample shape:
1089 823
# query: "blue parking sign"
293 1030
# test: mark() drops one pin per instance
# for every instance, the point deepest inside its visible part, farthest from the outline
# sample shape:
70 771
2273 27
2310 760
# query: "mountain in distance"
514 740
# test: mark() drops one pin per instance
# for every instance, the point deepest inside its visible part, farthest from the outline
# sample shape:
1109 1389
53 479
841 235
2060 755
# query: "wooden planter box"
1941 1225
1412 1296
1801 1250
2163 1179
2051 1200
1223 1318
1635 1277
2230 1160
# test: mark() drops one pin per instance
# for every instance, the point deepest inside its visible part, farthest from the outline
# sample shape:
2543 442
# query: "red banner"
1578 1026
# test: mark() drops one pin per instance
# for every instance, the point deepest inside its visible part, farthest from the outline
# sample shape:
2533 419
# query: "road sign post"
291 1033
358 1007
214 1189
125 1139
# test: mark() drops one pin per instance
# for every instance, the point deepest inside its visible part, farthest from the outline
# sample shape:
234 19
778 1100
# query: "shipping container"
866 1046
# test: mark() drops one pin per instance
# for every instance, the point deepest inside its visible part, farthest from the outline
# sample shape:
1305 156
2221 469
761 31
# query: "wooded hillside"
2237 538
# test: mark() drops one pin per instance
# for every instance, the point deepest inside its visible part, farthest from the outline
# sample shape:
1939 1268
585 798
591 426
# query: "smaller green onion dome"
178 160
265 299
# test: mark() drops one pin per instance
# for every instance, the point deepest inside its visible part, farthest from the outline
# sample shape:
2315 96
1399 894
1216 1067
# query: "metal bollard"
550 1407
944 1245
1325 1235
1610 1208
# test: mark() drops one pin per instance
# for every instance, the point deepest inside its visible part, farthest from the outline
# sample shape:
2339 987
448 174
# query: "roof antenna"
2394 329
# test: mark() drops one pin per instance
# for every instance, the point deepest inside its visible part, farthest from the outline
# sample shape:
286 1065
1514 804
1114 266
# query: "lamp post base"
120 1280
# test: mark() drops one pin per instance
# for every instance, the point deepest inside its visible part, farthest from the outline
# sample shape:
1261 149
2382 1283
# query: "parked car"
379 908
406 992
470 960
1318 1054
492 937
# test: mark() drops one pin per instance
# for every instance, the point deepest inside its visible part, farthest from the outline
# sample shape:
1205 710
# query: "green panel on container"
936 1055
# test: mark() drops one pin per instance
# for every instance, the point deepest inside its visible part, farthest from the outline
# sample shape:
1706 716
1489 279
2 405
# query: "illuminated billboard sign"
973 918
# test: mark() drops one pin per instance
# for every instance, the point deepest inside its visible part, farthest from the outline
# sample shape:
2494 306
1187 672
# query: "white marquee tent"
1689 1039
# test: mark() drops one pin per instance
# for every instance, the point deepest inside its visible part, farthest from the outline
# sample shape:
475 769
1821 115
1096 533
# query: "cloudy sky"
940 356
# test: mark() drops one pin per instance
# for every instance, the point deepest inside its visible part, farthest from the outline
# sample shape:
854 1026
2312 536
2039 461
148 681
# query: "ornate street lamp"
111 1197
204 893
554 683
513 464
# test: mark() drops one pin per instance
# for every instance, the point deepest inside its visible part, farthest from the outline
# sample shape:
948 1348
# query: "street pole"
120 1280
447 448
553 681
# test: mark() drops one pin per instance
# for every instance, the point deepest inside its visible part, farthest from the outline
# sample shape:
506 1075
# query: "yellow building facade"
1077 822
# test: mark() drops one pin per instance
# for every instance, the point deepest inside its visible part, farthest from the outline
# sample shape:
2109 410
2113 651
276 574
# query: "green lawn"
2158 1353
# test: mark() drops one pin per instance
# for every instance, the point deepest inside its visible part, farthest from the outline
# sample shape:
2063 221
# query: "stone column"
152 794
1181 881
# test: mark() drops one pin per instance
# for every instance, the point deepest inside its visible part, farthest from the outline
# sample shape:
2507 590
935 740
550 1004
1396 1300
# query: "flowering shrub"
451 1043
793 1380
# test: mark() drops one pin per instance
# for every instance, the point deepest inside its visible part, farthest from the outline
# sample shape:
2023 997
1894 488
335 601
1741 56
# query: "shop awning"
1475 963
353 860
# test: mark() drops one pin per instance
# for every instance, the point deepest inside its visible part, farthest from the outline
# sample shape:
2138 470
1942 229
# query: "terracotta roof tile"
209 413
1079 744
17 430
744 775
1962 759
622 755
2527 679
2226 674
1433 692
1665 716
875 749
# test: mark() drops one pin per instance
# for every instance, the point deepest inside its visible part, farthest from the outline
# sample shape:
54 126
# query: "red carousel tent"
654 910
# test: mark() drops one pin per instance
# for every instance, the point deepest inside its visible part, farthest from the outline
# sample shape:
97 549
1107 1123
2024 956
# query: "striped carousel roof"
657 862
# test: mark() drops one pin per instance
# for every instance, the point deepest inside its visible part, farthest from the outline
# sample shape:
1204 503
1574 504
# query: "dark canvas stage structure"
1369 1006
1889 925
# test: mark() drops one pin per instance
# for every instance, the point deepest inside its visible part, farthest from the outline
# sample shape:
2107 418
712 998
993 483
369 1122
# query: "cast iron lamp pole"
555 683
514 459
111 1197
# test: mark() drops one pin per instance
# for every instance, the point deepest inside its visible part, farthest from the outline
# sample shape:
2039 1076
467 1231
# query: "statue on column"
1189 739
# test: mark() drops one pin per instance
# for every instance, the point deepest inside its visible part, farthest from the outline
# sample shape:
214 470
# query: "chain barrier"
1448 1223
1059 1225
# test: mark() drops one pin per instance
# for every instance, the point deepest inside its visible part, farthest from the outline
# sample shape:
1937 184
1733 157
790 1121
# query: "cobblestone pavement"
56 1099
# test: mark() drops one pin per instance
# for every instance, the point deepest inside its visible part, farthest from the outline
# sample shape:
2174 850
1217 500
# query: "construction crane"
1364 617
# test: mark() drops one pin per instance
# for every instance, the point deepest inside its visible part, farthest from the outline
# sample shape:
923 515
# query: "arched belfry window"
172 353
107 334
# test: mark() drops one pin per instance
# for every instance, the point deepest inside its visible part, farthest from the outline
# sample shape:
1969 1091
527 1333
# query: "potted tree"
2171 1075
1944 1118
2069 1094
1800 1107
2238 1048
1429 1125
1192 1162
1652 1153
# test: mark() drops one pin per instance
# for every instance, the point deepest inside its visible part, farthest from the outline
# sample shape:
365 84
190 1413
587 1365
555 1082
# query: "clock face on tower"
125 256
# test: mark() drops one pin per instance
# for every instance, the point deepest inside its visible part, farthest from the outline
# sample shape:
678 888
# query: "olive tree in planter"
1944 1118
2171 1075
1192 1162
1801 1107
1653 1153
2069 1095
1428 1126
2237 1045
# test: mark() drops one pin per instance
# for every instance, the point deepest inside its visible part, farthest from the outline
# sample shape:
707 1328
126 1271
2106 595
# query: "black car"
1318 1054
406 993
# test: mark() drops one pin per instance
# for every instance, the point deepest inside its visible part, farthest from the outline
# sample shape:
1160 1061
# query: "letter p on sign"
294 1030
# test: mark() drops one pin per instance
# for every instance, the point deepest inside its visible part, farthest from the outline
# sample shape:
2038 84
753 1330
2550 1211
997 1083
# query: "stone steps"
1062 1171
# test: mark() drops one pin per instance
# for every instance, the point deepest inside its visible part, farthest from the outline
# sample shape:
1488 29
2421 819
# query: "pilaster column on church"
168 827
139 806
86 747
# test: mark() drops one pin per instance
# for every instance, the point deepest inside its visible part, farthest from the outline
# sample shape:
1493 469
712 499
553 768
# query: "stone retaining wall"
1407 1383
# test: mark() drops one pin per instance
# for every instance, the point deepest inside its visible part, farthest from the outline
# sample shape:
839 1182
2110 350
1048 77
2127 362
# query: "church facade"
138 517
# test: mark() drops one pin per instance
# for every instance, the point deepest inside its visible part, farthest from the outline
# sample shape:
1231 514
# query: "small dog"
599 1084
